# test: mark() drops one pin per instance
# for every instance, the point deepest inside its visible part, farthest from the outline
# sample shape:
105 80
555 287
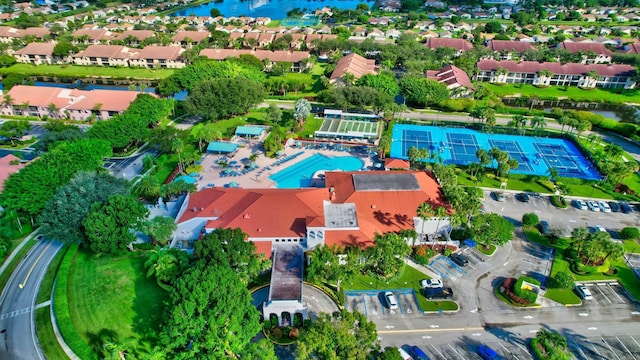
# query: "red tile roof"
107 51
93 34
141 35
111 100
37 49
264 248
510 46
392 163
355 65
160 53
557 68
451 75
196 36
458 44
575 47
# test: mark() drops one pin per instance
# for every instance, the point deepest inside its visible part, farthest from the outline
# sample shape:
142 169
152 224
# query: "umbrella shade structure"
233 184
187 179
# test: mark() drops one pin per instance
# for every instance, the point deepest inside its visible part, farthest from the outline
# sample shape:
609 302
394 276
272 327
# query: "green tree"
205 134
530 219
491 229
231 247
386 257
148 187
210 315
381 82
64 48
630 233
563 280
54 169
327 265
274 114
14 130
167 265
108 226
62 216
343 335
421 91
160 229
217 99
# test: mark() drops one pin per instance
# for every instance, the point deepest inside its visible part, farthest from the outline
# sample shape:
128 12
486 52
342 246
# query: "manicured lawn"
563 296
86 71
408 278
571 93
166 169
46 336
112 297
632 246
526 184
486 250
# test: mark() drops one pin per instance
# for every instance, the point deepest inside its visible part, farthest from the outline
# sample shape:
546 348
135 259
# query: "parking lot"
467 350
536 261
605 347
605 294
373 305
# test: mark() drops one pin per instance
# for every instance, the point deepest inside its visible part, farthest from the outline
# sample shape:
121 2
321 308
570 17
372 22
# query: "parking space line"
610 348
616 293
625 348
520 346
456 351
584 356
508 351
593 346
603 294
634 340
438 351
364 303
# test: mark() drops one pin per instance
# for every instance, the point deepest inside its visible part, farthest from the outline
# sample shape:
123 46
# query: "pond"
275 9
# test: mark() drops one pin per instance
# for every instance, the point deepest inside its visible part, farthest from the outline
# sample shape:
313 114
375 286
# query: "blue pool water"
299 175
458 146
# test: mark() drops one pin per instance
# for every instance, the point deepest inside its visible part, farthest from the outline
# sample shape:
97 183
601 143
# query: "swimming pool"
458 146
299 175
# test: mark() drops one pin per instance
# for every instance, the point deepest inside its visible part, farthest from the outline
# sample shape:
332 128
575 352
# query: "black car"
543 226
459 259
625 208
615 207
523 197
438 293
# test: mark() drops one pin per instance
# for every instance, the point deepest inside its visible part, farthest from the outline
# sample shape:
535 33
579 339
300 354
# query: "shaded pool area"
458 146
299 175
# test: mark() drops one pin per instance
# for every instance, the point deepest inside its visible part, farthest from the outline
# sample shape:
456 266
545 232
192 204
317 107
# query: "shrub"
547 185
562 280
294 333
145 246
630 233
276 333
422 254
530 219
528 295
559 201
447 252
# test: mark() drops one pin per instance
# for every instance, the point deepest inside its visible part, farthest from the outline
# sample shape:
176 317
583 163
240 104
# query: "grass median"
610 96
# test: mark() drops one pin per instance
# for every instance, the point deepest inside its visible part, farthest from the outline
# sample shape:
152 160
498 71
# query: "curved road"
18 338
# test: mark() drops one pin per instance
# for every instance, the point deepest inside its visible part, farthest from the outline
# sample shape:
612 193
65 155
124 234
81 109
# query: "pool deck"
210 173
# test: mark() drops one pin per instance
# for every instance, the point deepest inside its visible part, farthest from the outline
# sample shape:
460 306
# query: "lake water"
275 9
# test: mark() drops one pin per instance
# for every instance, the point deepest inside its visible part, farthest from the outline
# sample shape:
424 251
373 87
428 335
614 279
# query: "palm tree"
614 251
384 144
148 187
553 174
425 211
177 146
414 155
592 137
579 236
441 213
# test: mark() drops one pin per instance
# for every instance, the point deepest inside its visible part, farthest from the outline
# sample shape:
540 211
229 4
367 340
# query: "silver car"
593 206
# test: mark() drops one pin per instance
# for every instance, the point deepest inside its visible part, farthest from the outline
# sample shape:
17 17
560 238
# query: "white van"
583 292
404 355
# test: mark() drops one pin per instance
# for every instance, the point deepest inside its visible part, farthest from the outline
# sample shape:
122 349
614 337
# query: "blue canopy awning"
249 131
221 147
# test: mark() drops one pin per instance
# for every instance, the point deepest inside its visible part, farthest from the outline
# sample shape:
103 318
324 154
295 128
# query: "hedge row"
61 309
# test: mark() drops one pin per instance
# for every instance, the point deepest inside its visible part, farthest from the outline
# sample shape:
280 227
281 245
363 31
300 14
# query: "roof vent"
201 209
259 229
246 216
373 206
195 209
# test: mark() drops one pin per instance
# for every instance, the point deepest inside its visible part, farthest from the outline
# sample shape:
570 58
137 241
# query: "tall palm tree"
177 146
425 211
440 213
384 144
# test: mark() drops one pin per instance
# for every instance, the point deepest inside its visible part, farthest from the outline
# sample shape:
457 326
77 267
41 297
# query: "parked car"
438 293
391 300
498 196
579 204
418 354
404 355
625 208
543 226
599 228
487 353
593 206
604 207
615 207
583 292
459 259
523 197
431 283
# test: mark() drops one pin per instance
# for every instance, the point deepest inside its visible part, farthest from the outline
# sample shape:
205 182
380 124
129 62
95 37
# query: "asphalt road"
18 339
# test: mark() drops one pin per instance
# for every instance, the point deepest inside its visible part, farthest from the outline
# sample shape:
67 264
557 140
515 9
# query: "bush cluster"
530 219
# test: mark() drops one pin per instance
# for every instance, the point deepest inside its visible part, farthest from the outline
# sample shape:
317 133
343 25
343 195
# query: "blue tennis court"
459 146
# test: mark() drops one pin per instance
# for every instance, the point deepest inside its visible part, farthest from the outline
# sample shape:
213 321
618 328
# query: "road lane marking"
409 331
15 313
21 285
